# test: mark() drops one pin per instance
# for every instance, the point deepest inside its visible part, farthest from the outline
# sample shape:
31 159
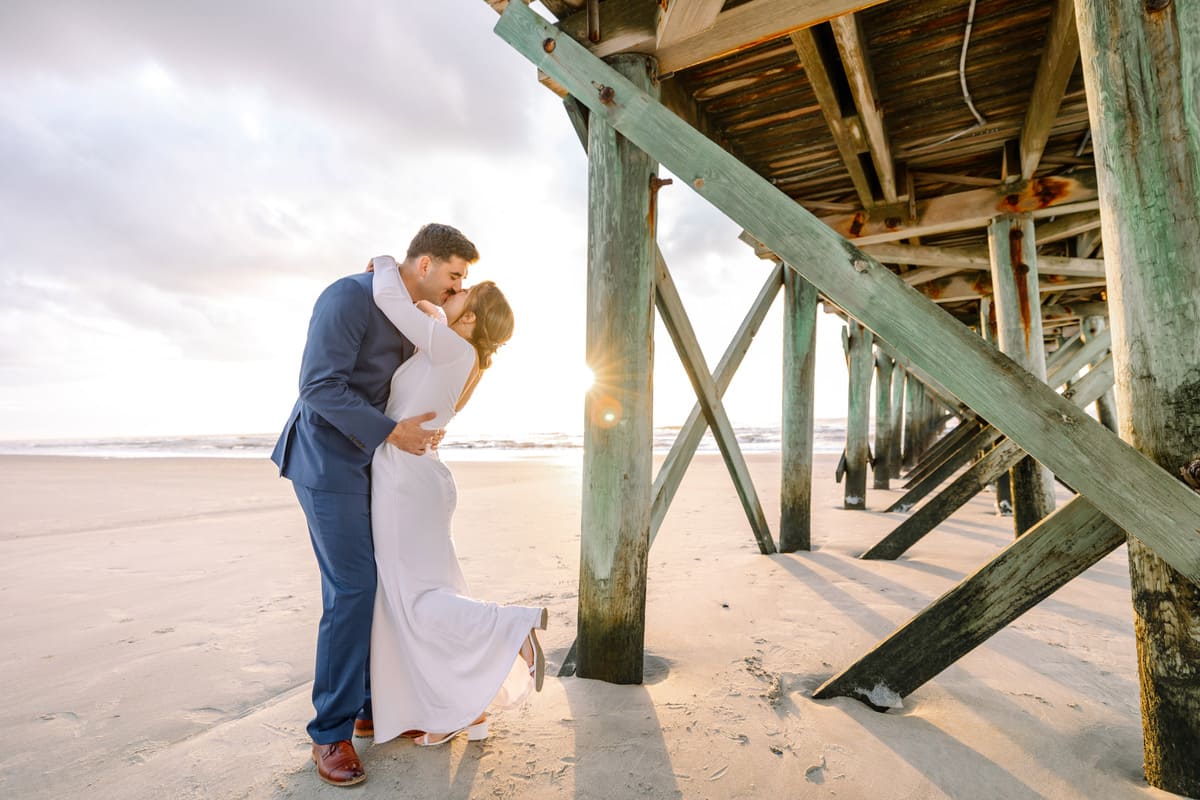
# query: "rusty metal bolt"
607 93
860 265
1190 473
1157 5
892 223
548 45
698 183
657 183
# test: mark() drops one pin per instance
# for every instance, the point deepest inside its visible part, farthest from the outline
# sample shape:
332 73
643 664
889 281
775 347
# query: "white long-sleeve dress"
438 657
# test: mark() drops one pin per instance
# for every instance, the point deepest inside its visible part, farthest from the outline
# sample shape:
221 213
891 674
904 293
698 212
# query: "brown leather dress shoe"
364 728
338 764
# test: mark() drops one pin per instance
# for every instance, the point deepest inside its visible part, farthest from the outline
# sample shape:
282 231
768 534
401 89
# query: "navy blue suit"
325 450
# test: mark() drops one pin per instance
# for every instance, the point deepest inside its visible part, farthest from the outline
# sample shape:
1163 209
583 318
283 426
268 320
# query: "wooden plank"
856 61
682 19
679 327
1042 197
998 461
750 24
1106 408
976 258
857 341
1132 490
922 275
840 128
692 431
1141 72
799 376
1059 54
882 469
618 424
1030 569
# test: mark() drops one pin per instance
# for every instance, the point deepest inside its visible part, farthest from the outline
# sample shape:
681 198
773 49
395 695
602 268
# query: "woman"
439 659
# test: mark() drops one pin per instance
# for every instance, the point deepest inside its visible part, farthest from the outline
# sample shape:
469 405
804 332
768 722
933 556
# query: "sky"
181 180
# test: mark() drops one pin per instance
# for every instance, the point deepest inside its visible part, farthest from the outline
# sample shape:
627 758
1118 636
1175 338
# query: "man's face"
441 280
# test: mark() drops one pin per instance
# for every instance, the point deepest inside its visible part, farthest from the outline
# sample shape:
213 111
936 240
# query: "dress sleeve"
429 336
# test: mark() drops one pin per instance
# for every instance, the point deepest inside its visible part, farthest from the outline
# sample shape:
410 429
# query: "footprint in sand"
204 716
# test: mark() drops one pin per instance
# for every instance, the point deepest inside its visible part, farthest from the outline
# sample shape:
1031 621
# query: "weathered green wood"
799 360
882 470
618 427
692 431
983 438
1088 353
1065 350
857 340
1012 247
998 461
1142 74
912 422
679 327
898 378
944 448
1059 54
1023 574
1106 407
1130 488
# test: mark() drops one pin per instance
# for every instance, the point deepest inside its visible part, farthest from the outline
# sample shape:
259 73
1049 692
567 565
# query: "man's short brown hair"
442 242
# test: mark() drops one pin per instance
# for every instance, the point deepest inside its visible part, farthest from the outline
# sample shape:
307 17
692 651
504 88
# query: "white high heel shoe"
537 670
475 733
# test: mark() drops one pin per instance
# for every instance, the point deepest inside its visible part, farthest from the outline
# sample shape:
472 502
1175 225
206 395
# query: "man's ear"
423 265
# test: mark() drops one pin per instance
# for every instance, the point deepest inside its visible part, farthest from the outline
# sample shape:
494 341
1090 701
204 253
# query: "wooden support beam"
679 327
1019 333
998 461
845 131
630 26
671 473
943 447
1059 54
856 61
882 469
1140 71
1088 353
982 439
1067 226
1042 197
912 422
857 341
1076 310
972 286
799 376
1106 408
682 19
1145 499
976 258
1030 569
618 424
922 275
750 24
898 377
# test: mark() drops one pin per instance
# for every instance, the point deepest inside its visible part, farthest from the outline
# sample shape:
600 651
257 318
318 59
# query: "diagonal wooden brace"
670 306
1049 555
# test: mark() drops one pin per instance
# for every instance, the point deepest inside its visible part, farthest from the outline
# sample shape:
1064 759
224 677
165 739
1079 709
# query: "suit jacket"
338 421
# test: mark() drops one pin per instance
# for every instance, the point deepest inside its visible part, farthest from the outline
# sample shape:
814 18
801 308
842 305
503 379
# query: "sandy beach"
159 619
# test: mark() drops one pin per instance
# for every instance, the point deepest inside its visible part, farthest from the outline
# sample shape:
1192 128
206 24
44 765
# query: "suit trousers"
339 525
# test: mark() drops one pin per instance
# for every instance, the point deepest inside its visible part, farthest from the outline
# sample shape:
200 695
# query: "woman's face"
455 306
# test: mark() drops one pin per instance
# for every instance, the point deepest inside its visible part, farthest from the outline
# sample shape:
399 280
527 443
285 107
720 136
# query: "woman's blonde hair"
493 320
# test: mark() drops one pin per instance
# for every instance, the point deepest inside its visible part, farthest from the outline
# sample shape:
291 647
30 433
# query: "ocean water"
829 437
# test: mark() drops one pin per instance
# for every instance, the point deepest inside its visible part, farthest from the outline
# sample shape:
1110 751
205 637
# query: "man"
325 450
